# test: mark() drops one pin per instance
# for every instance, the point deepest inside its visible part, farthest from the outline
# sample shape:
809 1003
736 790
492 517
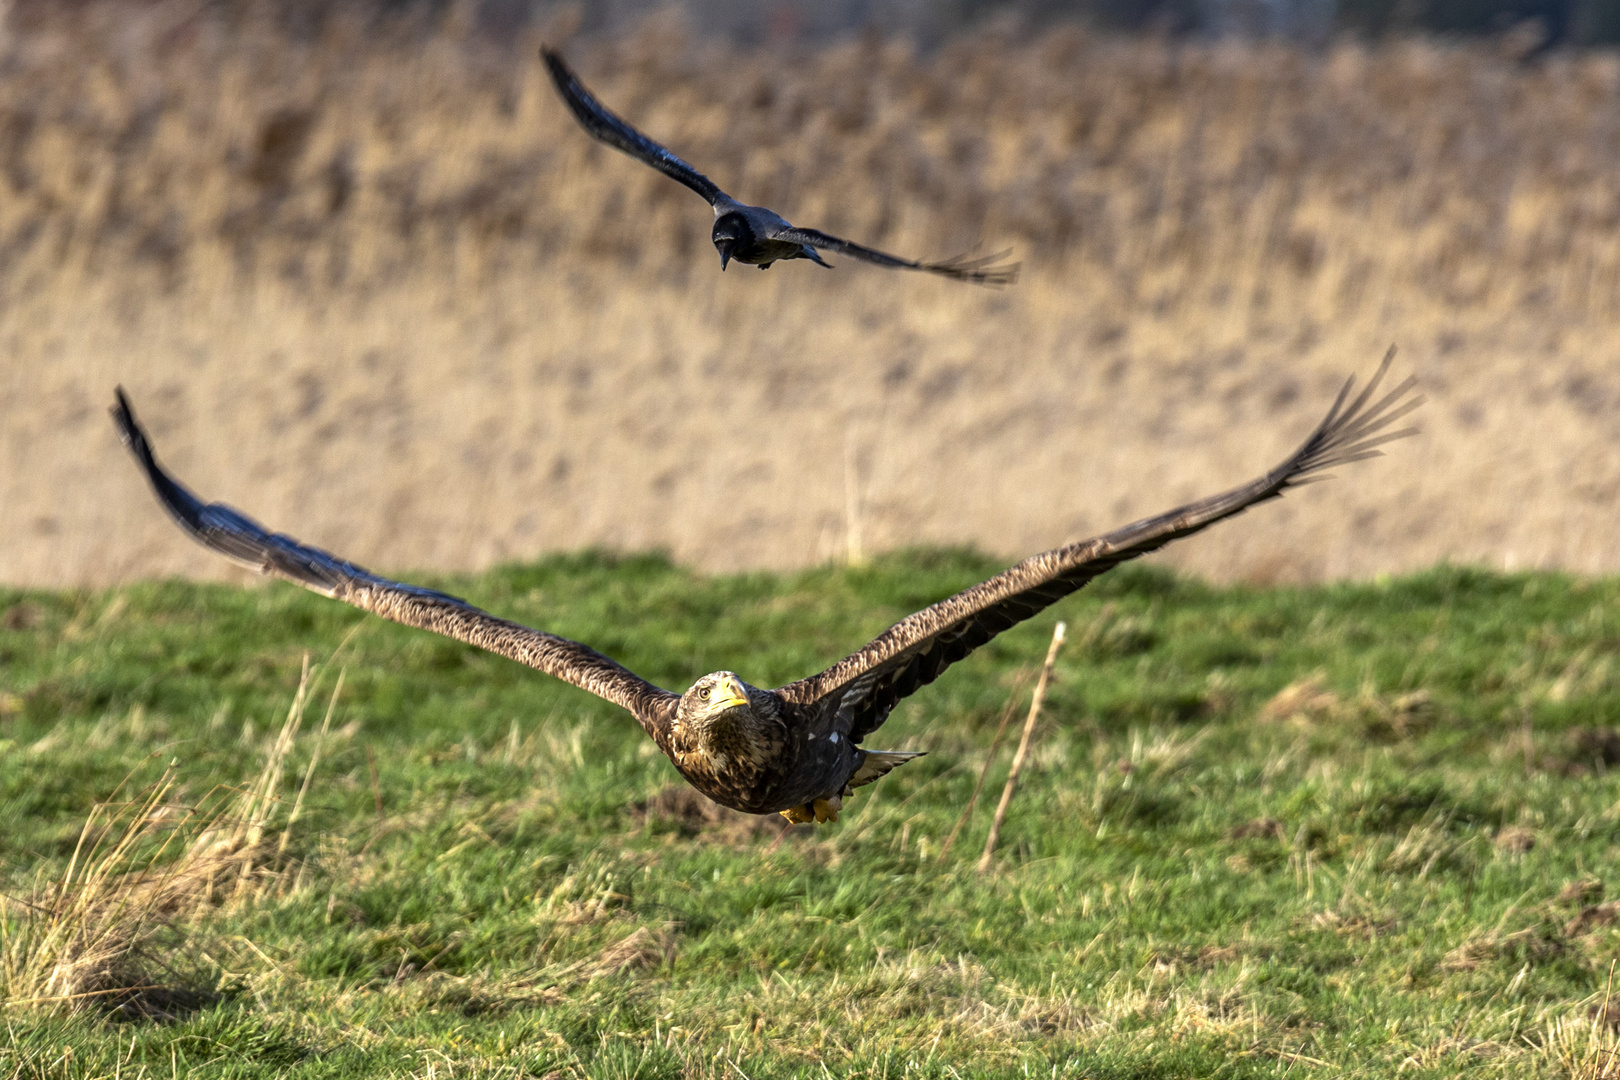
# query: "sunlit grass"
1370 826
101 934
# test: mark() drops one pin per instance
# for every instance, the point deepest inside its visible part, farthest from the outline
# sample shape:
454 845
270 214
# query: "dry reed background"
375 287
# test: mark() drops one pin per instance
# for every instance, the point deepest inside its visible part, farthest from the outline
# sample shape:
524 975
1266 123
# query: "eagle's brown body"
749 759
797 749
770 754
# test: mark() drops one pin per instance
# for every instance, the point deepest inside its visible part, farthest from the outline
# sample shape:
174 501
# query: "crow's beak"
725 254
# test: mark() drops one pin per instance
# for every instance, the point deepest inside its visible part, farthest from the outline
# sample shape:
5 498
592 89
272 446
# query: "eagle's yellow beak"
728 694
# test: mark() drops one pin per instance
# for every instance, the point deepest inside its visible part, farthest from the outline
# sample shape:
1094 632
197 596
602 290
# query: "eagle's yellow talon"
798 815
827 809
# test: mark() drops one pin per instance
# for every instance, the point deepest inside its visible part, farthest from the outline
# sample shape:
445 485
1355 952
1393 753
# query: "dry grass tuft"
1581 891
1394 717
588 894
1584 1047
481 995
646 948
913 999
1306 700
1533 944
642 950
1426 843
1515 840
1308 703
85 939
107 932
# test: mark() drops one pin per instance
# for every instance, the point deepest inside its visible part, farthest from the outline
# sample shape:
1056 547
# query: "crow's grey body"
749 234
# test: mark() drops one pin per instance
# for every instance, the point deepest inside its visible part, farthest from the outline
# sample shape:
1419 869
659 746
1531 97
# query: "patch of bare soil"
686 812
22 616
1259 828
1591 917
1515 840
1585 751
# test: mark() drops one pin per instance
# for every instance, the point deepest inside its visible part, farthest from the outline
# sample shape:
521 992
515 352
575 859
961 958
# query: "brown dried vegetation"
107 931
378 289
1308 703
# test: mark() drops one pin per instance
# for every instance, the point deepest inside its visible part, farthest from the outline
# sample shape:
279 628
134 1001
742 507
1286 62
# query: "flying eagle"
796 750
749 234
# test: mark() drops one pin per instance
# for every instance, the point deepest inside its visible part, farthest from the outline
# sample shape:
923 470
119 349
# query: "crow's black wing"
986 270
595 118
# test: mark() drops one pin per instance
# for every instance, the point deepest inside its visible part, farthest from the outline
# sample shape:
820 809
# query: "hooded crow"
748 234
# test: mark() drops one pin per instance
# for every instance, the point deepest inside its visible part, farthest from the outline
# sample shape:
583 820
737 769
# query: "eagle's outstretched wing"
914 651
595 118
982 271
239 537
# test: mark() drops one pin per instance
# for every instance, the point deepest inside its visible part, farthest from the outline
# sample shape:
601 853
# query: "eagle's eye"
703 694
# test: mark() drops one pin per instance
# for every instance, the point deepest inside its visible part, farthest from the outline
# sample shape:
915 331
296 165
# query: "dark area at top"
1542 24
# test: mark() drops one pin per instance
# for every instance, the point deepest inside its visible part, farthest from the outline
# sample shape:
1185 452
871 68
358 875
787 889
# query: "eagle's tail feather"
878 762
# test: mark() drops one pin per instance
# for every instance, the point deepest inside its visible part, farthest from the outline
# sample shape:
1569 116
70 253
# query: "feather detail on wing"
602 124
244 540
878 763
983 270
914 651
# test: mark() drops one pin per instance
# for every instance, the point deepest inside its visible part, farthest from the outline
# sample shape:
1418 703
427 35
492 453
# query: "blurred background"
365 278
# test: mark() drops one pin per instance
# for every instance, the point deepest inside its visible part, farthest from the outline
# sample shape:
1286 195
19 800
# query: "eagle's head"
717 699
731 231
724 723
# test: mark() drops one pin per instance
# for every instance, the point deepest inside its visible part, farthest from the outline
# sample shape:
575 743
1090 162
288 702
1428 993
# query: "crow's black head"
731 232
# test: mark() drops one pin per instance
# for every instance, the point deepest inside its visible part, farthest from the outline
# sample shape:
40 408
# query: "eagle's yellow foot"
820 811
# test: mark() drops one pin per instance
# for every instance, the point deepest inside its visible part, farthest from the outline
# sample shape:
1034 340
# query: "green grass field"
1358 830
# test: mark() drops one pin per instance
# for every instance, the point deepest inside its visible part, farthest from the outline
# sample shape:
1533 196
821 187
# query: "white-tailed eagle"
795 750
